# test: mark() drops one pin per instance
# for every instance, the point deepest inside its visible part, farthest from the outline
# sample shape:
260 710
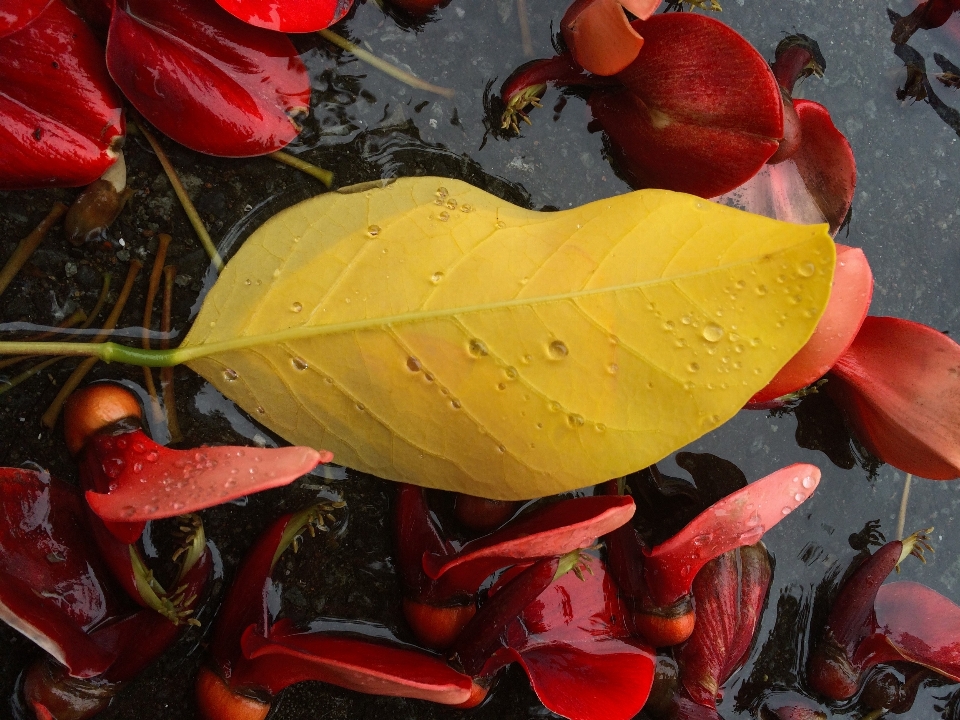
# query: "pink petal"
554 529
845 313
289 16
599 36
206 79
288 657
60 116
148 481
701 121
916 624
899 385
739 519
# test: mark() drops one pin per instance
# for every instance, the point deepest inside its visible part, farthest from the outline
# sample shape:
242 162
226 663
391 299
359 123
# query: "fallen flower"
288 16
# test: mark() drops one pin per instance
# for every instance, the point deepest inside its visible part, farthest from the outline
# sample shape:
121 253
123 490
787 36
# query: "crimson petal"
15 14
206 79
287 657
739 519
555 529
702 121
916 624
148 481
288 16
899 385
60 115
845 313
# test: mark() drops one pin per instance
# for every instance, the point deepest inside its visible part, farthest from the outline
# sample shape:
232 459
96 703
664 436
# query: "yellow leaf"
432 333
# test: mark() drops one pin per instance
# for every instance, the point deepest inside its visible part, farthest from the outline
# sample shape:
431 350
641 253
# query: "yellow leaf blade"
431 333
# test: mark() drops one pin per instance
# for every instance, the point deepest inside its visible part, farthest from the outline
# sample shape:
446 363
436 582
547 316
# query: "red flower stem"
789 66
383 65
28 244
415 535
49 418
481 636
185 201
166 373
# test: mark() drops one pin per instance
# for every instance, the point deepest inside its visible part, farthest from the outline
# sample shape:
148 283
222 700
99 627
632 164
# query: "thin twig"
324 176
902 517
166 373
152 287
49 418
185 201
525 38
30 243
29 373
382 65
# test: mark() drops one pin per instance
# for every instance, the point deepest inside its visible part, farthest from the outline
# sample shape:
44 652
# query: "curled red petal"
600 36
554 529
60 114
899 385
147 481
729 593
287 657
838 326
289 16
206 79
916 624
15 14
701 121
737 520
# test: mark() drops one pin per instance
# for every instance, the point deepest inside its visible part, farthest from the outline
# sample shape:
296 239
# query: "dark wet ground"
367 126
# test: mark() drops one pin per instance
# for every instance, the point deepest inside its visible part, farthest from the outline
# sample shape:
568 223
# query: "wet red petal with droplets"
739 519
287 657
151 482
899 385
554 529
51 579
845 313
206 79
916 624
15 14
702 121
599 36
289 16
60 114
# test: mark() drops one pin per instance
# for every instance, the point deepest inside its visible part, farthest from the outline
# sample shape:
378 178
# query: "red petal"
739 519
289 16
148 481
206 79
288 657
703 120
729 593
555 529
59 111
845 313
52 587
599 36
15 14
899 384
915 624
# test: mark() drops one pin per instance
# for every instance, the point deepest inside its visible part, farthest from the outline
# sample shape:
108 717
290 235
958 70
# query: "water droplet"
781 278
276 273
701 540
680 343
413 365
177 505
361 407
556 407
296 307
128 510
466 207
741 284
260 410
443 216
786 510
456 404
436 277
347 300
600 427
511 372
693 367
152 456
755 342
299 363
501 386
612 368
753 520
761 290
229 483
477 348
799 497
246 282
712 332
526 359
686 319
150 509
501 449
614 340
501 224
574 420
137 467
452 204
807 482
668 325
230 375
442 192
428 377
558 349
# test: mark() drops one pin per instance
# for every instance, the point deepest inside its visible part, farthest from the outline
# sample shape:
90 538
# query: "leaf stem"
382 65
185 201
30 243
904 499
324 176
